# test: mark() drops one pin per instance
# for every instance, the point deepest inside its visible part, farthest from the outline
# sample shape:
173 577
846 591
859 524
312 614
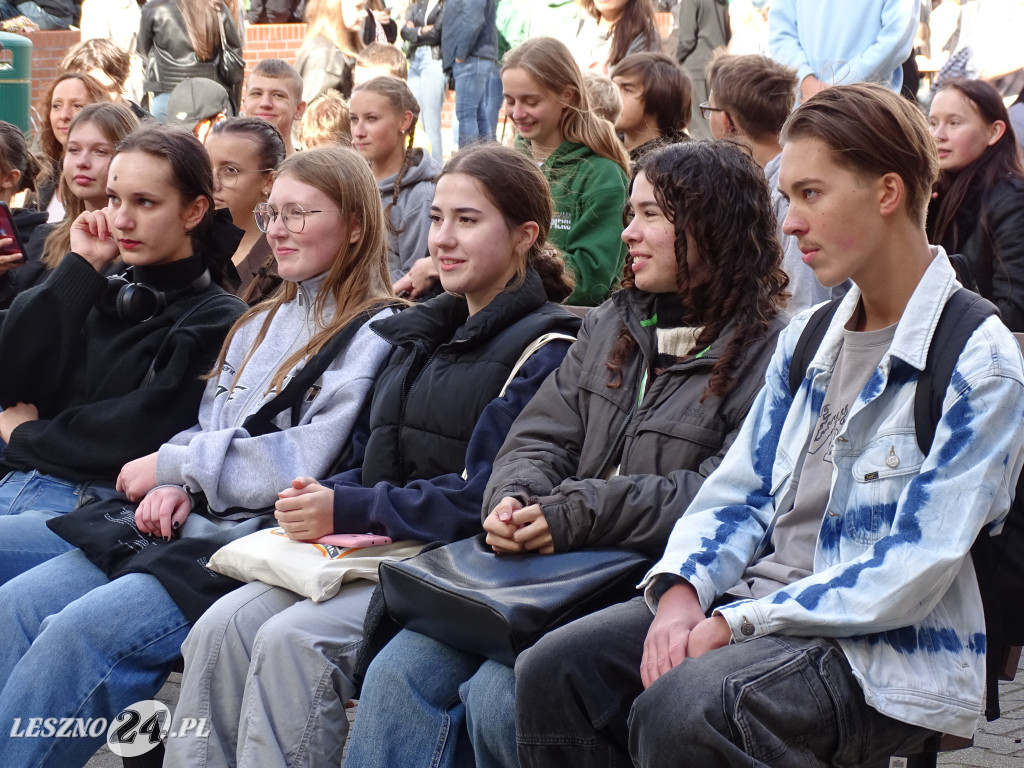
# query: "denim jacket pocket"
880 472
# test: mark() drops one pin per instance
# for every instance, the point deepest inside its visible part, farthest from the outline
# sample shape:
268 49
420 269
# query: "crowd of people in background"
341 293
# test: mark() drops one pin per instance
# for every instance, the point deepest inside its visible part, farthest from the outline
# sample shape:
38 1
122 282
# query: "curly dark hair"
716 193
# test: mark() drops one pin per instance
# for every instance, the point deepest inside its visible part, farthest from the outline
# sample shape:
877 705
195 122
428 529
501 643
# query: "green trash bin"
15 80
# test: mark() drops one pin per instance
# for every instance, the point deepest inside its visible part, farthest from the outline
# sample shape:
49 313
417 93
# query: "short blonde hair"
326 121
605 99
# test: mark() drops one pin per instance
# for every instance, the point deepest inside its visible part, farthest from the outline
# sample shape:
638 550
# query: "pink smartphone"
354 540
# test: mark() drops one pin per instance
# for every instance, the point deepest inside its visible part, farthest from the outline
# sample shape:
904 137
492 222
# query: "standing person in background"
522 20
578 152
623 27
377 24
274 11
328 53
977 209
180 39
750 98
703 28
422 35
835 42
469 51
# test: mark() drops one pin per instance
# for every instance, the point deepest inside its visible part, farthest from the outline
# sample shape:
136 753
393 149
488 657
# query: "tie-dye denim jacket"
891 578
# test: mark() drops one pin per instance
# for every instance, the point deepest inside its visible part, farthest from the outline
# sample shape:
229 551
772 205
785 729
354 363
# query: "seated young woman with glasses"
244 151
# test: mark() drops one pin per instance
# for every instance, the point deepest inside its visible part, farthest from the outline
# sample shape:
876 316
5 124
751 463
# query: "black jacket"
994 255
83 368
416 13
446 367
275 11
438 418
164 42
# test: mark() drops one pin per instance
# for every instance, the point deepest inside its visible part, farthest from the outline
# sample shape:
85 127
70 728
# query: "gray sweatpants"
271 672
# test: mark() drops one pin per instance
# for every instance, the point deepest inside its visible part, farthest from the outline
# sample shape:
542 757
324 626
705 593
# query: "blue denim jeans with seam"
78 645
424 702
427 83
27 501
475 98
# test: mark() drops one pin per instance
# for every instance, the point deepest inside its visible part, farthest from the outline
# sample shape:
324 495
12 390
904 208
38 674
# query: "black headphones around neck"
137 302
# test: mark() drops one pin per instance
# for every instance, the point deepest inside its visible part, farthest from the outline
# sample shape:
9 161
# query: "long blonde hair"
358 276
115 121
550 63
325 17
202 24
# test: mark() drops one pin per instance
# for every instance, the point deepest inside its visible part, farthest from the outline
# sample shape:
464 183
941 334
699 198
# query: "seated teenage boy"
816 603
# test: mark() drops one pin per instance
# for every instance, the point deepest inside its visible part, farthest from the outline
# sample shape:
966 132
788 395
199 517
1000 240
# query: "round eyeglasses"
228 176
706 109
292 216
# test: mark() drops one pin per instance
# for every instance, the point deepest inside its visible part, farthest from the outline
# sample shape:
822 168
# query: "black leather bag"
499 605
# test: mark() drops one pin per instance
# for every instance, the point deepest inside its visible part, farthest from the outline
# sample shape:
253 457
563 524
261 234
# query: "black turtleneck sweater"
83 367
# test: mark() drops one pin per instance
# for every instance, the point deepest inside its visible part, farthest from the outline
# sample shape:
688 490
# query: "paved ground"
996 745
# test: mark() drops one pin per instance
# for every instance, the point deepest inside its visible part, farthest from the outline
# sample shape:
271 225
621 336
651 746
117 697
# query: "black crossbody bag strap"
260 423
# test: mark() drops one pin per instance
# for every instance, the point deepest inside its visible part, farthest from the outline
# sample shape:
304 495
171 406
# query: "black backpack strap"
293 394
960 318
809 341
226 298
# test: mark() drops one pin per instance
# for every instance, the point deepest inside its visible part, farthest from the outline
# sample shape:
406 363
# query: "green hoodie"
589 193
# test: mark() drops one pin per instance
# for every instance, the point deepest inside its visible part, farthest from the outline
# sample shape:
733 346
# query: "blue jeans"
426 81
473 99
76 644
158 106
426 703
44 19
27 501
781 701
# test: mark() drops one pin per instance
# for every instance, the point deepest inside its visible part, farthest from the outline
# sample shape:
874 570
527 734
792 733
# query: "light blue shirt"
844 41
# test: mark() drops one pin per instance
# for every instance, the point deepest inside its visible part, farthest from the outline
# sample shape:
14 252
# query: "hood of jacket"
426 168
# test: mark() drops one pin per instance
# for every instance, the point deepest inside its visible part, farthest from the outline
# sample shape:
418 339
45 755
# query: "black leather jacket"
164 42
416 13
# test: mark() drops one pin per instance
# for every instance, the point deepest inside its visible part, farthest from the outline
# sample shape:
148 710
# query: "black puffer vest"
445 369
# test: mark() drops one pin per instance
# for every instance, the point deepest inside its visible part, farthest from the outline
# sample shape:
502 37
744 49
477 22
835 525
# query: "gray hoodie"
219 458
411 214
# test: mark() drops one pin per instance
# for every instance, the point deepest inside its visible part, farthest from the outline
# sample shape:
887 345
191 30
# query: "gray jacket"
219 458
570 438
410 216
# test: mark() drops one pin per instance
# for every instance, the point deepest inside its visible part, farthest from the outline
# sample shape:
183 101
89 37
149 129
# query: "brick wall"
262 41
